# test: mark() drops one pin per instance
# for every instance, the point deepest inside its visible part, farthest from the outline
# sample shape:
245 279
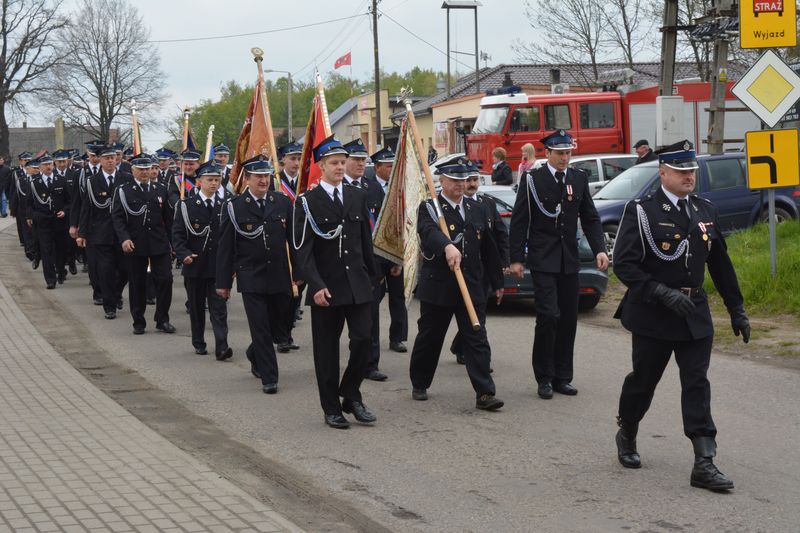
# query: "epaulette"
695 196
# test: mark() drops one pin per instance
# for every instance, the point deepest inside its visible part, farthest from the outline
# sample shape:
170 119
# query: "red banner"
315 134
342 61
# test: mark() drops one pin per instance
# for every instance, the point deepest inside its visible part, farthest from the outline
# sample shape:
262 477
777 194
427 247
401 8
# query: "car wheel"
781 215
586 303
610 236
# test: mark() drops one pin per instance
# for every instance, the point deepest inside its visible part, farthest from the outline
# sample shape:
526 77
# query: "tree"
27 31
627 27
108 63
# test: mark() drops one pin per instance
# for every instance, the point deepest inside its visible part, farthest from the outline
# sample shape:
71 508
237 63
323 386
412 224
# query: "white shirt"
256 198
382 183
203 197
330 188
143 185
350 180
674 198
108 177
553 171
47 179
460 205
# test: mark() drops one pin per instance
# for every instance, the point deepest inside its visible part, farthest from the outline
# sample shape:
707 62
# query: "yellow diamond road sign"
772 158
767 23
769 88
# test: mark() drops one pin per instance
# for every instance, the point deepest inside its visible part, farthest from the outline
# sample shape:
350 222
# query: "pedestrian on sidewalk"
664 243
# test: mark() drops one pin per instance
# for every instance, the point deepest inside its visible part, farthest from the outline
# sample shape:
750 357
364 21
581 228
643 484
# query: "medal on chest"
569 192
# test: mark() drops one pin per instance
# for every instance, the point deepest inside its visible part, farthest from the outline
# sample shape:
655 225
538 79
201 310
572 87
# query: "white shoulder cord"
48 202
206 231
247 234
19 186
98 205
130 212
644 227
545 212
328 236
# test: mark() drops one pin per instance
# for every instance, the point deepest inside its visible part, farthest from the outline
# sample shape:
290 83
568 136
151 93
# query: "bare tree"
573 35
27 29
108 62
628 28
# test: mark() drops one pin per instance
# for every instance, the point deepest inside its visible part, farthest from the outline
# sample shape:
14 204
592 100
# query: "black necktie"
337 202
110 181
683 205
210 206
356 183
261 203
560 177
458 211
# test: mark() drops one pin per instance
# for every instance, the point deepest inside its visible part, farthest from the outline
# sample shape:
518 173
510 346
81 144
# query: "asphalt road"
441 465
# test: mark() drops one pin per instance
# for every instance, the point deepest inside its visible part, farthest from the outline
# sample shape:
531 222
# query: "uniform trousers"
432 328
199 291
398 326
52 245
327 324
28 237
556 304
111 273
650 358
137 289
281 317
261 351
91 265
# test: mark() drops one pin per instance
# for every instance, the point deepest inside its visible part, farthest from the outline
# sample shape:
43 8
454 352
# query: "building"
36 139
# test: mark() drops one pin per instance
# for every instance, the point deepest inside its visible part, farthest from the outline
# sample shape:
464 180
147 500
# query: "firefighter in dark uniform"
195 233
19 208
96 230
142 221
190 162
64 170
664 243
253 239
165 174
222 155
334 242
499 232
90 167
48 212
544 227
390 275
469 246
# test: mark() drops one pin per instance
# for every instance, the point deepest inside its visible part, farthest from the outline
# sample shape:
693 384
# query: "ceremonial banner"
395 235
318 130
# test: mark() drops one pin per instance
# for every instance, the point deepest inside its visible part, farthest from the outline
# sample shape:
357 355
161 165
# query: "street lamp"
462 4
289 96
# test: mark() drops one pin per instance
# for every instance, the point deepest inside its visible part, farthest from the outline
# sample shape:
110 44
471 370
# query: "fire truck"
600 122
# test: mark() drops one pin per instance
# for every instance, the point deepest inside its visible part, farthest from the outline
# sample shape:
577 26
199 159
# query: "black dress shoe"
293 346
706 475
111 315
284 347
61 280
398 347
337 421
545 391
460 358
377 375
227 353
51 285
488 402
97 301
73 269
201 351
270 388
359 410
419 394
35 264
565 388
254 371
626 444
166 327
119 304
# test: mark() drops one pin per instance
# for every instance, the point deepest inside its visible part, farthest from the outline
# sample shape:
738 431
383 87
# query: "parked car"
720 178
592 282
601 168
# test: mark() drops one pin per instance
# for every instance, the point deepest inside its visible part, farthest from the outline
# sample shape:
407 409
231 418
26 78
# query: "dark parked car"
592 282
720 178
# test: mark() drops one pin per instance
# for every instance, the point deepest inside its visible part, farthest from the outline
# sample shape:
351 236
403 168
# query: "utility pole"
378 141
669 42
719 80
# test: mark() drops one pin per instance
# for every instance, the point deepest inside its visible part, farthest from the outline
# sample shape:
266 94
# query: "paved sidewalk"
71 459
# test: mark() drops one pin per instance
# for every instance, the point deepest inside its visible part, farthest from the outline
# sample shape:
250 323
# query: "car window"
725 174
524 119
597 115
490 120
613 166
556 117
590 166
628 184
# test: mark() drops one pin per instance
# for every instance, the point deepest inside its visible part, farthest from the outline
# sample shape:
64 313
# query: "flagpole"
324 104
184 145
137 141
209 141
258 57
462 284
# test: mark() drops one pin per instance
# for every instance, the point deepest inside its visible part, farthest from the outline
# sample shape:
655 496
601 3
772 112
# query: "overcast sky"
195 70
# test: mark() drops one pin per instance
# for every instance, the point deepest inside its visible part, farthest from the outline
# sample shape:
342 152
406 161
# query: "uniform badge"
478 233
677 236
667 224
704 229
103 193
248 227
196 226
452 227
247 199
197 202
271 198
160 201
665 246
569 192
666 207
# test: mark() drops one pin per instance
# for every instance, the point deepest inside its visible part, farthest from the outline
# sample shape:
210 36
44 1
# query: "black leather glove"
674 300
740 323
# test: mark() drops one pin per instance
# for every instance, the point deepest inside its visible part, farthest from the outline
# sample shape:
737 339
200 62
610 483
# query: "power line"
424 41
231 36
342 45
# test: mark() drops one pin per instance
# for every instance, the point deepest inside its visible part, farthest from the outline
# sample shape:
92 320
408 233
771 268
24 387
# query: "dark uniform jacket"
43 202
196 231
174 188
165 177
649 156
150 230
344 265
259 259
95 223
640 264
502 174
479 257
19 193
496 226
549 242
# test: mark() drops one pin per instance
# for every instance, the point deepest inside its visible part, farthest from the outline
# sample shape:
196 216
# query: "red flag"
310 172
342 61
